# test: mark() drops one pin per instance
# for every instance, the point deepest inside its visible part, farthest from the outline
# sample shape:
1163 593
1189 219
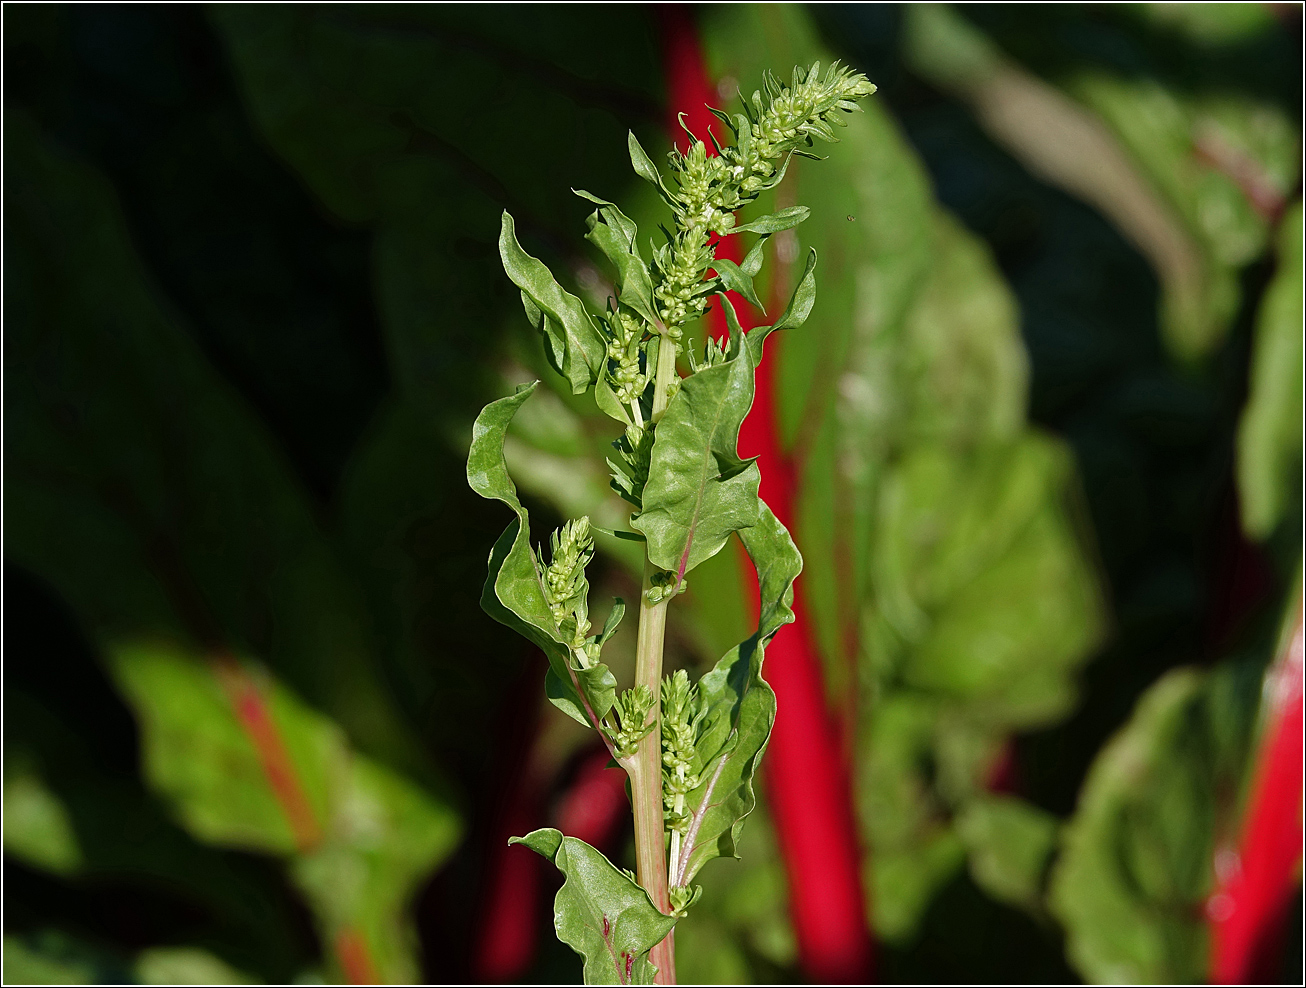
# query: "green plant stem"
666 371
646 771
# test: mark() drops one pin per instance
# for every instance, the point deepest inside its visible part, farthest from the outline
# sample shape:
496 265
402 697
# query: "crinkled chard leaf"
740 708
513 594
699 490
600 912
576 346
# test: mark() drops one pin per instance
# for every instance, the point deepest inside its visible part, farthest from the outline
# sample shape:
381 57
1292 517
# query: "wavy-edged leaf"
614 233
740 708
575 344
600 912
513 594
699 489
784 219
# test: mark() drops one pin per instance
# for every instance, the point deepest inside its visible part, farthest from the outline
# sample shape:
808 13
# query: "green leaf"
795 314
644 167
186 966
740 708
600 912
37 828
282 779
1137 859
615 234
613 620
24 965
608 404
734 279
699 489
784 219
513 594
1269 435
803 298
1010 843
575 342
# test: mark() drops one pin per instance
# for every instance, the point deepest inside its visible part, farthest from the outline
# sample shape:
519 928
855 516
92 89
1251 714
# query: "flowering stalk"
692 750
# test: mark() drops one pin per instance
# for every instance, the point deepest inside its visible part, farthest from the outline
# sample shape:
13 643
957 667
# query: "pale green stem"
646 768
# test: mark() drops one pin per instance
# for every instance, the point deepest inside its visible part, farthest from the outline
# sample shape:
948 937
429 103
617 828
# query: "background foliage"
256 725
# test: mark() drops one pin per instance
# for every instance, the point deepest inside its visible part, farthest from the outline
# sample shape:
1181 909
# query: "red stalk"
806 773
1256 882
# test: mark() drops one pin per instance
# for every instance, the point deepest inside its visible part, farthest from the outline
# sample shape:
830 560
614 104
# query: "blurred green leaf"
600 912
37 828
1010 844
186 966
24 965
1269 434
1221 163
1136 864
370 837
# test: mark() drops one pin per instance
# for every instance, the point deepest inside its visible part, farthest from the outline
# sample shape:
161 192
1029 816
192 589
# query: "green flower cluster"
632 710
710 189
566 588
681 718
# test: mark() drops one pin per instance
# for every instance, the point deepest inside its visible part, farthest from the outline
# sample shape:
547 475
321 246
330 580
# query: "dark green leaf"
567 326
699 489
600 912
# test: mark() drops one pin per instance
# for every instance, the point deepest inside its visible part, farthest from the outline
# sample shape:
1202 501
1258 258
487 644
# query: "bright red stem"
1249 910
807 776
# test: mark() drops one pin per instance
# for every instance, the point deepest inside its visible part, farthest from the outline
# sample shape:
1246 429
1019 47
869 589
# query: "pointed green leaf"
513 594
644 167
614 620
614 233
600 912
699 489
740 708
608 403
784 219
734 279
568 327
804 297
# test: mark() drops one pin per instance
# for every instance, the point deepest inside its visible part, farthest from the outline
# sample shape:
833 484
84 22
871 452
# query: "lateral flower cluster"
691 749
